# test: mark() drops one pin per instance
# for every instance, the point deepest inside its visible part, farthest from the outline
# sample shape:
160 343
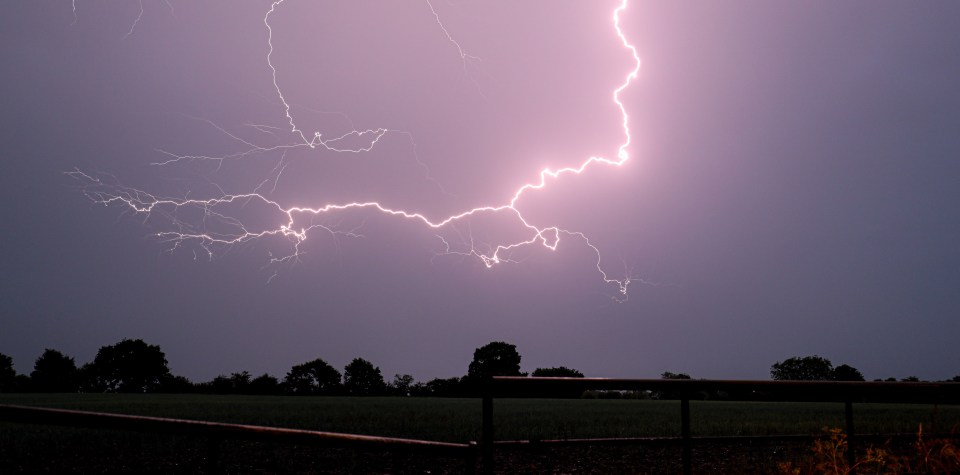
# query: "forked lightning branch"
188 218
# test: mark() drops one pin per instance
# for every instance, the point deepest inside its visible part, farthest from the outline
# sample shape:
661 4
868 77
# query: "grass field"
454 420
458 420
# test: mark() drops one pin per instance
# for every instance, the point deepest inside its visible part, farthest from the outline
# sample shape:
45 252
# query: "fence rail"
847 393
224 431
685 390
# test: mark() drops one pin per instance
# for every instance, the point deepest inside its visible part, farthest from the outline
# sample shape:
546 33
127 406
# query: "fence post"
685 434
486 435
851 446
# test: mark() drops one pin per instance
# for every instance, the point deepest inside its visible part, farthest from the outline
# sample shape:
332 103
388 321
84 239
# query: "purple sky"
792 188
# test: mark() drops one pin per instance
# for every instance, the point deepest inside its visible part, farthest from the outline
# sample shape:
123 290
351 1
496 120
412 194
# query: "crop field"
28 448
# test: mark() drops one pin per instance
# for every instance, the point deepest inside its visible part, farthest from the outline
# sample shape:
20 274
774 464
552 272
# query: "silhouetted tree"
807 368
361 378
955 379
847 373
7 374
221 384
130 366
670 375
401 385
240 382
494 359
265 385
418 389
176 385
313 377
54 372
558 372
911 379
89 382
236 383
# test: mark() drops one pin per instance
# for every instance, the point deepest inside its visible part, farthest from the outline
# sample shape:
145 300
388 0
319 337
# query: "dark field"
26 448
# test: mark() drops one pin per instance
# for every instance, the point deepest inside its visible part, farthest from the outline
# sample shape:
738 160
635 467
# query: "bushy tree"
130 366
671 375
558 372
846 372
240 382
265 385
219 385
54 372
494 359
236 383
402 385
361 378
176 385
313 377
7 374
807 368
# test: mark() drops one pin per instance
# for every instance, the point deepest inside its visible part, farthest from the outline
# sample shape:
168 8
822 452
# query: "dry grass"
829 456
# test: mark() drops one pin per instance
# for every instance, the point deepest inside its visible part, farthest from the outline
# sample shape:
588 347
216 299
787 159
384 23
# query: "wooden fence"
686 390
848 393
216 431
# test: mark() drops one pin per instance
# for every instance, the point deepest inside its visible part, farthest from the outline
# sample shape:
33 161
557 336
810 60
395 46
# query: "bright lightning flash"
297 223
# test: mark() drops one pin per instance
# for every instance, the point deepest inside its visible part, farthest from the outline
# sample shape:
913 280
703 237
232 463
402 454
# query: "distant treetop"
130 366
494 359
361 378
813 368
313 377
54 372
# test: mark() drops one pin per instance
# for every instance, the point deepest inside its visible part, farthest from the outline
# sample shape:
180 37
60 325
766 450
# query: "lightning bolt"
136 21
465 58
296 223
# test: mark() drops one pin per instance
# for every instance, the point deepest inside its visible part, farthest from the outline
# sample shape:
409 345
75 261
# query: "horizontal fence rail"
685 390
222 431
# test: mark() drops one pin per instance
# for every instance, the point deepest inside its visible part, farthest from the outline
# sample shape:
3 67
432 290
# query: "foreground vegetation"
922 454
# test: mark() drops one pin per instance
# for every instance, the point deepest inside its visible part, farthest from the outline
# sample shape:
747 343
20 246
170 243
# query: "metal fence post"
685 435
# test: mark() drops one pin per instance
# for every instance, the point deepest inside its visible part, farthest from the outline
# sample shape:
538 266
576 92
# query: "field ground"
27 448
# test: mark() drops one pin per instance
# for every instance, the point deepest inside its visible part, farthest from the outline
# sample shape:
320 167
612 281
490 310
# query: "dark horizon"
524 369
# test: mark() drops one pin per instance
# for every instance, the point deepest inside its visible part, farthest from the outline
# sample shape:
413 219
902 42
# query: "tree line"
134 366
